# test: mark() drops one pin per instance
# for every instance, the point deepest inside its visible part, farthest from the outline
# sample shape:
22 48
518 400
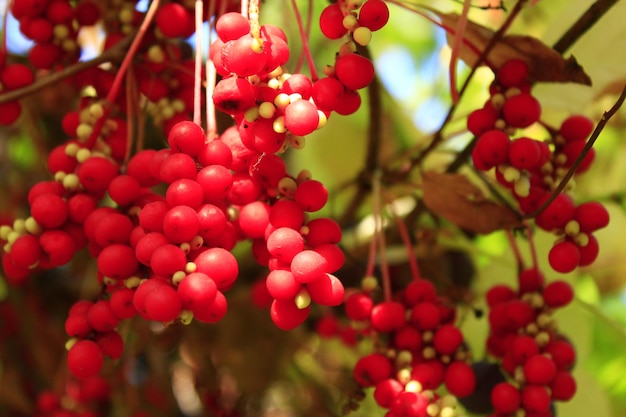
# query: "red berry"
505 398
301 117
174 21
564 257
372 369
331 22
492 148
374 14
460 379
521 110
286 315
558 294
539 370
513 73
447 339
84 359
231 26
388 316
576 128
354 71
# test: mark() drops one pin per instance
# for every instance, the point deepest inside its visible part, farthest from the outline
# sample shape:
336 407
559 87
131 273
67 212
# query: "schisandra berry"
84 359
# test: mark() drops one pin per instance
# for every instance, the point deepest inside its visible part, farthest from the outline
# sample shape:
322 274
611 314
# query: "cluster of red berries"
532 169
535 358
266 102
420 349
54 27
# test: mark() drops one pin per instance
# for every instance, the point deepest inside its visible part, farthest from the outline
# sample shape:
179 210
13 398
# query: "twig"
592 139
115 53
583 24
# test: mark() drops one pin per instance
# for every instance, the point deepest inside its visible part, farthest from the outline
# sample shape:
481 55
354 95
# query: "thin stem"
305 42
592 139
533 248
245 4
131 104
406 239
456 48
309 20
115 87
379 234
112 54
197 84
515 248
211 77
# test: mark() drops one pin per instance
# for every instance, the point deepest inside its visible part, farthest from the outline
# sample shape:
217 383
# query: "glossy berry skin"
84 359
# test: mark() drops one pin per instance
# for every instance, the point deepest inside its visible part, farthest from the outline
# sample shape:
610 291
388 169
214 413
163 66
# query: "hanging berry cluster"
532 169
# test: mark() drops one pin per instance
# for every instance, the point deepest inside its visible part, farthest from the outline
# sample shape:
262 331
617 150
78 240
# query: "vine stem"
245 4
406 240
379 234
515 247
197 79
110 55
305 42
456 48
117 81
592 139
307 30
533 248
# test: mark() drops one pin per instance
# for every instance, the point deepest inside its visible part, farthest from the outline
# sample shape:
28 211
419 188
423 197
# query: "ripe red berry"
286 315
521 110
331 22
374 14
372 369
84 359
231 26
388 316
492 148
447 339
558 294
354 71
539 370
301 117
564 257
513 73
505 398
460 379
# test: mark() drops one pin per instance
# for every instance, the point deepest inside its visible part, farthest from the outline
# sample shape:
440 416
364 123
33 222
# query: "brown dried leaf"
545 64
455 198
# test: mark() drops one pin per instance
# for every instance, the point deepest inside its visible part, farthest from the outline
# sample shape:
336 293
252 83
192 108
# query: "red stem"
406 240
117 82
515 248
305 42
197 85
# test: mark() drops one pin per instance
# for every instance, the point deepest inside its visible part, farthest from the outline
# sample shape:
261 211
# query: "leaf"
545 64
455 198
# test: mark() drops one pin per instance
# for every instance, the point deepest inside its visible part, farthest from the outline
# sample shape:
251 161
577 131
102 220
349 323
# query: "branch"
584 23
115 53
572 170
